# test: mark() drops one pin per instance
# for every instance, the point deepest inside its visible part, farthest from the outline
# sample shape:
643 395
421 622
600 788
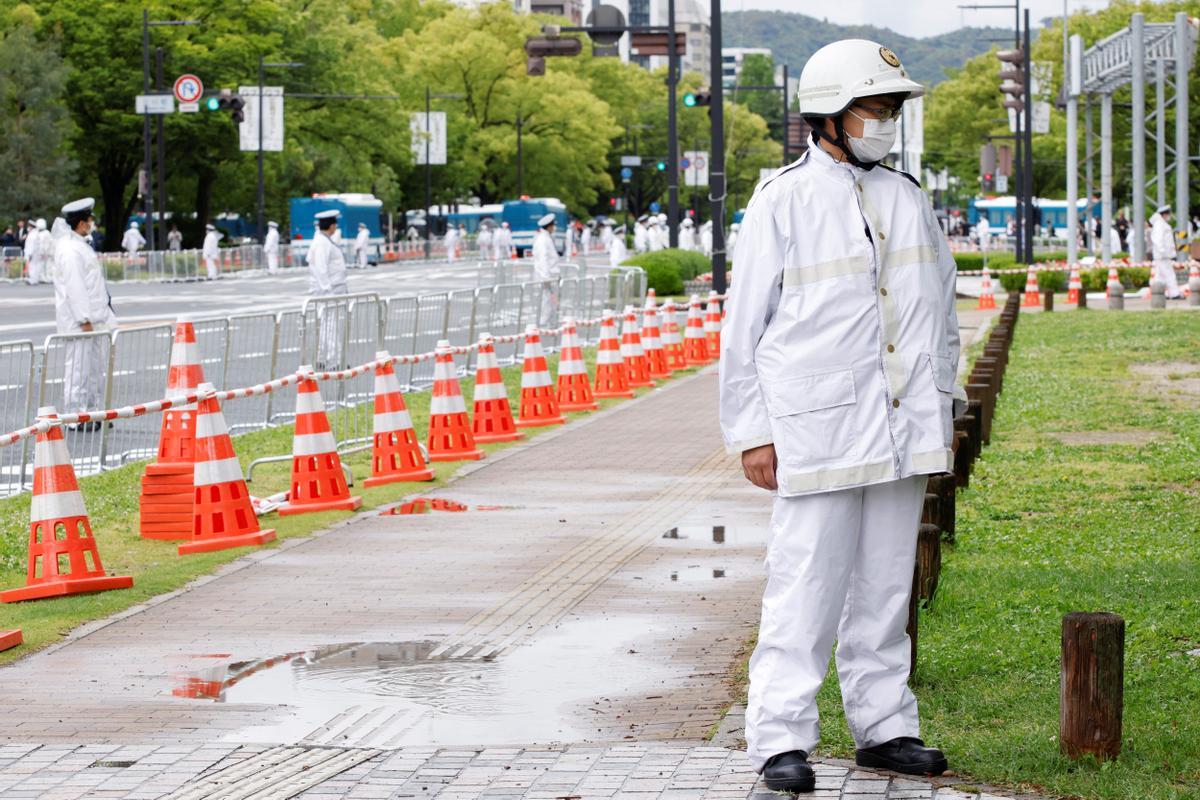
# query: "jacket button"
883 292
882 235
891 348
895 404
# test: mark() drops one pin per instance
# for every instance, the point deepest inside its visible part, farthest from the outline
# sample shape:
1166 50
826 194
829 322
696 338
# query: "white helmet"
133 223
842 72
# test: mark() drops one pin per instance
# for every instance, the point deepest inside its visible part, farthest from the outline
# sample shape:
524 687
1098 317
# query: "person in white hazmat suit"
1162 252
327 278
133 241
706 238
641 237
546 271
271 246
39 248
210 250
984 231
483 239
81 305
362 242
687 234
655 240
617 252
450 240
837 386
731 239
502 242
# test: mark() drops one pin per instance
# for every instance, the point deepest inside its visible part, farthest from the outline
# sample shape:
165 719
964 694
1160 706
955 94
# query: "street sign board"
431 128
188 108
626 173
154 104
272 112
695 168
1001 184
655 207
631 161
656 44
188 88
684 163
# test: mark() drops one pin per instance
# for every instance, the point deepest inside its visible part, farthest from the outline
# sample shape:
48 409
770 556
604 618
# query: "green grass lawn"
112 504
1047 528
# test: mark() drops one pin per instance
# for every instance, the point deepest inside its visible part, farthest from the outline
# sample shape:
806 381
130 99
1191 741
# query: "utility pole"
148 195
162 155
672 133
786 159
1030 224
261 195
520 158
428 178
716 160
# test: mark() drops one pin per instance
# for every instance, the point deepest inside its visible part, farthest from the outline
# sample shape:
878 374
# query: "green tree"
34 126
759 70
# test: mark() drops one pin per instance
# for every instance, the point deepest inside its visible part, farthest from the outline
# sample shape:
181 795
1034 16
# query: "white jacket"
840 343
271 242
132 241
1162 239
80 290
212 244
326 268
545 257
362 240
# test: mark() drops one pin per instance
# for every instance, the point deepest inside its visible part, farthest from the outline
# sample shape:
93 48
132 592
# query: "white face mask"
876 141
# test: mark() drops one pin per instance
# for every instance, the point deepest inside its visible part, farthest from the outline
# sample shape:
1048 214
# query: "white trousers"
272 262
211 264
84 368
1164 271
839 565
548 307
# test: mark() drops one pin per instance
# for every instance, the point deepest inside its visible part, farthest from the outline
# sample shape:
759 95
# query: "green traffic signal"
661 166
689 100
213 104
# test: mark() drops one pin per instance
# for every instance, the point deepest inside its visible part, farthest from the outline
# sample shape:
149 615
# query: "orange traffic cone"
1033 297
318 482
395 454
656 356
712 325
672 341
539 406
1074 285
1193 281
165 504
612 376
493 414
632 351
987 296
695 343
1114 280
450 437
10 639
63 557
651 298
574 388
224 516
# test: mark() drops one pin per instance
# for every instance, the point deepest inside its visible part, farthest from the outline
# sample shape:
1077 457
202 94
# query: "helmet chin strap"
841 143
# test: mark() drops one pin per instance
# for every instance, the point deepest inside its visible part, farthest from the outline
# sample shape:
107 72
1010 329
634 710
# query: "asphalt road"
27 312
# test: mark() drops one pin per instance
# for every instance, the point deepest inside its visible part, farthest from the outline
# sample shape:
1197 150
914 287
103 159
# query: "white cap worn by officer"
838 361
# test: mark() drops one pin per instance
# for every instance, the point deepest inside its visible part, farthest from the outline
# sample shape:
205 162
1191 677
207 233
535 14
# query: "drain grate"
275 774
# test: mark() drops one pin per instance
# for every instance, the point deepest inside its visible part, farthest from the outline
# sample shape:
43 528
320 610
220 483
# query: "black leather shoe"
789 772
907 755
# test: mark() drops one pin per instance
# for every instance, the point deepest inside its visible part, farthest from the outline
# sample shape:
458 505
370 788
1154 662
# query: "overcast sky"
913 17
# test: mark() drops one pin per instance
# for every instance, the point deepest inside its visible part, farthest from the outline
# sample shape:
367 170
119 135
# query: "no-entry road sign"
188 88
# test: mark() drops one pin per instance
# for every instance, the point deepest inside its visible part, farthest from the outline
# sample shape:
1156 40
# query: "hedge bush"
1093 280
666 270
1047 281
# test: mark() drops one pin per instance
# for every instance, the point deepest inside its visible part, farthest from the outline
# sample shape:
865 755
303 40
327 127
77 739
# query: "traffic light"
612 202
1012 75
226 100
661 166
698 98
212 104
989 183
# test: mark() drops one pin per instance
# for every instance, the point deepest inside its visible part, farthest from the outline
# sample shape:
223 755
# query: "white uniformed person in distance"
132 241
81 305
1162 252
546 270
362 242
838 362
38 250
210 250
327 278
271 246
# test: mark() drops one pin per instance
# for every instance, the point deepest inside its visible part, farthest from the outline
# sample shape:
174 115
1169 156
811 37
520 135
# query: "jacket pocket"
943 373
812 417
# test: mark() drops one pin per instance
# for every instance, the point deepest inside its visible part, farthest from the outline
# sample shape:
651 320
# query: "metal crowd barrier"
107 369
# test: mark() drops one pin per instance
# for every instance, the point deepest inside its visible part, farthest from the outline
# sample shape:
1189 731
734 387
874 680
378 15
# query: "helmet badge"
888 56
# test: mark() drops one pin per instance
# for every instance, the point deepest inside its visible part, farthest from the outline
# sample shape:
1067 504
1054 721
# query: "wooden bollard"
975 426
943 486
914 600
929 561
1047 301
1082 299
1091 693
932 509
964 449
983 393
992 365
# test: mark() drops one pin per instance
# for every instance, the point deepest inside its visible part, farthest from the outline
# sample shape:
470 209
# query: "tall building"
732 59
692 19
571 9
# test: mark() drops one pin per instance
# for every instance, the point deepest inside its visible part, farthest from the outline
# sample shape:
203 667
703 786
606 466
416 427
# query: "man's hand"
86 327
759 465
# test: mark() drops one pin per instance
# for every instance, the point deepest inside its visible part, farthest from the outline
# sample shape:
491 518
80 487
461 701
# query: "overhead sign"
154 104
626 173
428 130
631 161
1002 184
695 166
188 108
188 88
272 113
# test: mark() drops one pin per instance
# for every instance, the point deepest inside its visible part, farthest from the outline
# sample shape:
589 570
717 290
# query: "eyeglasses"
884 113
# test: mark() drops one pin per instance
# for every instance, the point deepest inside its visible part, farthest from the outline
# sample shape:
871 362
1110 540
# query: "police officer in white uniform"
327 278
1162 252
133 241
361 242
81 305
271 246
211 250
546 270
38 251
838 361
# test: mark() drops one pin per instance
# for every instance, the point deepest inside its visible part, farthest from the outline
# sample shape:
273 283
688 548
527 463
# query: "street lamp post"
716 160
261 195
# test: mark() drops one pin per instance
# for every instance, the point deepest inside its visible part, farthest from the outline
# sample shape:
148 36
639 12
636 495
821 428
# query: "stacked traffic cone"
493 415
10 639
672 341
712 325
612 375
656 356
450 437
1114 281
318 482
59 529
1074 285
1033 297
651 298
1193 281
695 343
574 388
539 403
165 504
987 296
223 516
395 454
632 351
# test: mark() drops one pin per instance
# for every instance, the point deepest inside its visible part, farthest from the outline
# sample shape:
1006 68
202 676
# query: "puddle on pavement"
696 573
555 688
717 535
